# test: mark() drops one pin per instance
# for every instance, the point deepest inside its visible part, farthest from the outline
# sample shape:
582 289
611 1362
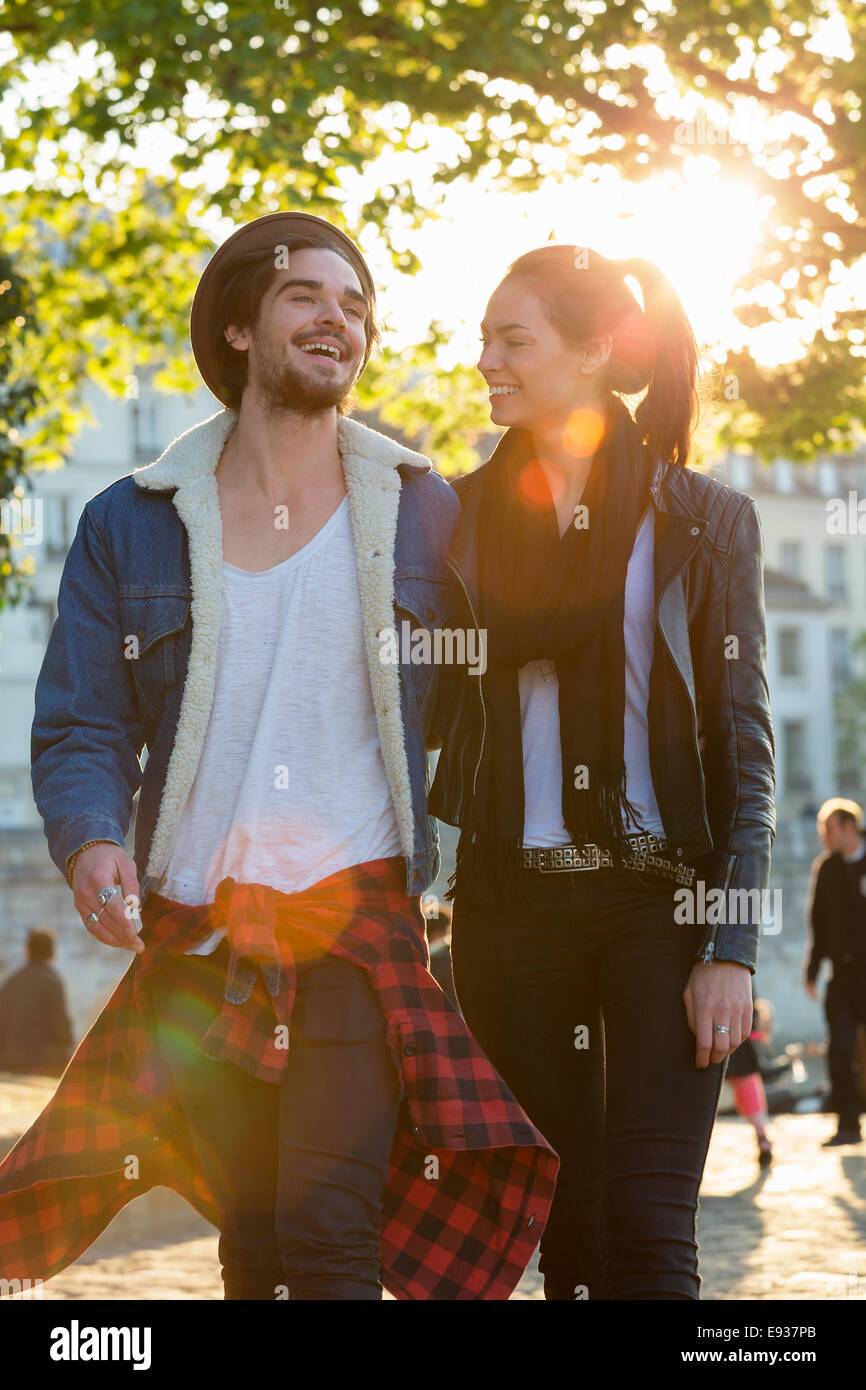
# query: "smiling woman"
605 575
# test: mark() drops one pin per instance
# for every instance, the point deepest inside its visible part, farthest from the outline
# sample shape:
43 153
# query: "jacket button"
140 634
430 615
531 1221
409 1051
696 530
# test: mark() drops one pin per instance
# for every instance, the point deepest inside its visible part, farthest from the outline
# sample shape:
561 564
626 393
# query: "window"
790 663
740 471
797 777
144 419
834 560
849 776
840 655
792 559
828 481
55 514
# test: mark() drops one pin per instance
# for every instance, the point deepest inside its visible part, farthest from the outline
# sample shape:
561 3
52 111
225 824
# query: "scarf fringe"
488 870
600 816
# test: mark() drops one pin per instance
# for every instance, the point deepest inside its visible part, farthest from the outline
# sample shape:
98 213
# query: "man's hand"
718 993
812 989
106 866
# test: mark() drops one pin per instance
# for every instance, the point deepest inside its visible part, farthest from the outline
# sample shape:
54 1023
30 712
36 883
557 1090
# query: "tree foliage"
265 105
19 395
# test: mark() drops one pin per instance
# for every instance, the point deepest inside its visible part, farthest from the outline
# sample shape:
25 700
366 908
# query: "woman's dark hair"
239 301
585 296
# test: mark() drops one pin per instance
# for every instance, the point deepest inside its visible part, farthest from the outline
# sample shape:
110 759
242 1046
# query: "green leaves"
257 106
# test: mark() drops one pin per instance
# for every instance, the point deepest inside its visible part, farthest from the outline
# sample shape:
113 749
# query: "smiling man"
279 1052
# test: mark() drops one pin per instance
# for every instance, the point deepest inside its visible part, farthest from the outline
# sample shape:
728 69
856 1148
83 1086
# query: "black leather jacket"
711 733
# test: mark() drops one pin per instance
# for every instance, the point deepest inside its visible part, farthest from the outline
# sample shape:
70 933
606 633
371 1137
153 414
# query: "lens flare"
583 432
534 486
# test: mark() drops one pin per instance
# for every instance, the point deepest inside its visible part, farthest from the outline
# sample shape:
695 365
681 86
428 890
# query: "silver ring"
721 1028
104 897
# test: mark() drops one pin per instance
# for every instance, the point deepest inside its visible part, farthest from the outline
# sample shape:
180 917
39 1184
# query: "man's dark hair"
240 300
40 943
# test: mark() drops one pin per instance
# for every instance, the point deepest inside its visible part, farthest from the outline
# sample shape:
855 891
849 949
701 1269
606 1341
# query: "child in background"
744 1076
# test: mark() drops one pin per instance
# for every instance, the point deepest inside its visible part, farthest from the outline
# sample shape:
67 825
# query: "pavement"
796 1230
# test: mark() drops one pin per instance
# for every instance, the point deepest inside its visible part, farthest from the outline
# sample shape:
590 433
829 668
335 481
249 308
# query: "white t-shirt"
543 825
291 786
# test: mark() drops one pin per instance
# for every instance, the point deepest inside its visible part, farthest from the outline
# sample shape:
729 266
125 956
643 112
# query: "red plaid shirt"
467 1233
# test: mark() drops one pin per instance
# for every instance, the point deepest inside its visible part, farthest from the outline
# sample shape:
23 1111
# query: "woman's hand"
718 993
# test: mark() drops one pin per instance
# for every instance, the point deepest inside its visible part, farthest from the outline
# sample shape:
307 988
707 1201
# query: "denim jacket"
131 660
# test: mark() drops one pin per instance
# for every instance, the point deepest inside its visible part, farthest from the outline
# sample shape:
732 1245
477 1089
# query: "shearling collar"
372 467
196 452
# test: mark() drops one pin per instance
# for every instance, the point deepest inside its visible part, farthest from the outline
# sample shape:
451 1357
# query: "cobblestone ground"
794 1231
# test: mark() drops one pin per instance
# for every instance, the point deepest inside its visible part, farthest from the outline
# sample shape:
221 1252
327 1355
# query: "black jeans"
297 1170
845 1007
575 993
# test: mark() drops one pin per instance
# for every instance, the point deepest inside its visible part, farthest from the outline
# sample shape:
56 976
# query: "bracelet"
70 863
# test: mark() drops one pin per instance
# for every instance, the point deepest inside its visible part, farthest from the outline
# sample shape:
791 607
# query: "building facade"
815 579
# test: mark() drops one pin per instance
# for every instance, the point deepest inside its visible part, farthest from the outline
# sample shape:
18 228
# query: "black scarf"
562 600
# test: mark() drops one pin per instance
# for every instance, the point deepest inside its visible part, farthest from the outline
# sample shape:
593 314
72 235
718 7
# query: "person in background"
35 1032
836 916
747 1085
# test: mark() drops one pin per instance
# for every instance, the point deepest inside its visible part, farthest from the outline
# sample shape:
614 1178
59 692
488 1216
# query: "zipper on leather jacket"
465 588
709 945
683 684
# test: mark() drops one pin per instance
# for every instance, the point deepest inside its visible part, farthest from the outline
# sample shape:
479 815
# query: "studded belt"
645 852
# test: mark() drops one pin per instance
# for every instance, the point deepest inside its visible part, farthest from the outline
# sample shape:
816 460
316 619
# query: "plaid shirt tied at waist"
464 1226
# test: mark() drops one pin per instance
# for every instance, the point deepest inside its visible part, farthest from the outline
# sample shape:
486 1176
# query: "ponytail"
668 411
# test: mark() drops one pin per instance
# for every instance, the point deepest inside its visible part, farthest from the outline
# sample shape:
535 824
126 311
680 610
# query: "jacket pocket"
152 625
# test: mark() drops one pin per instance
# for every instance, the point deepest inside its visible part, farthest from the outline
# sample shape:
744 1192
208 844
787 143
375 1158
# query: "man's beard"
283 387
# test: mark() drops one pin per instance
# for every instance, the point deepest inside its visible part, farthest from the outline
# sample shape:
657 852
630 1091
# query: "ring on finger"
103 897
93 917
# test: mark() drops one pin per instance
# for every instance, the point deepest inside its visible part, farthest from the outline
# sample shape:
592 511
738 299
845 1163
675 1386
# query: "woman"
621 595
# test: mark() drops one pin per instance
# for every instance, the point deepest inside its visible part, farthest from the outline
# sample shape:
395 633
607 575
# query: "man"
35 1032
276 1013
836 912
